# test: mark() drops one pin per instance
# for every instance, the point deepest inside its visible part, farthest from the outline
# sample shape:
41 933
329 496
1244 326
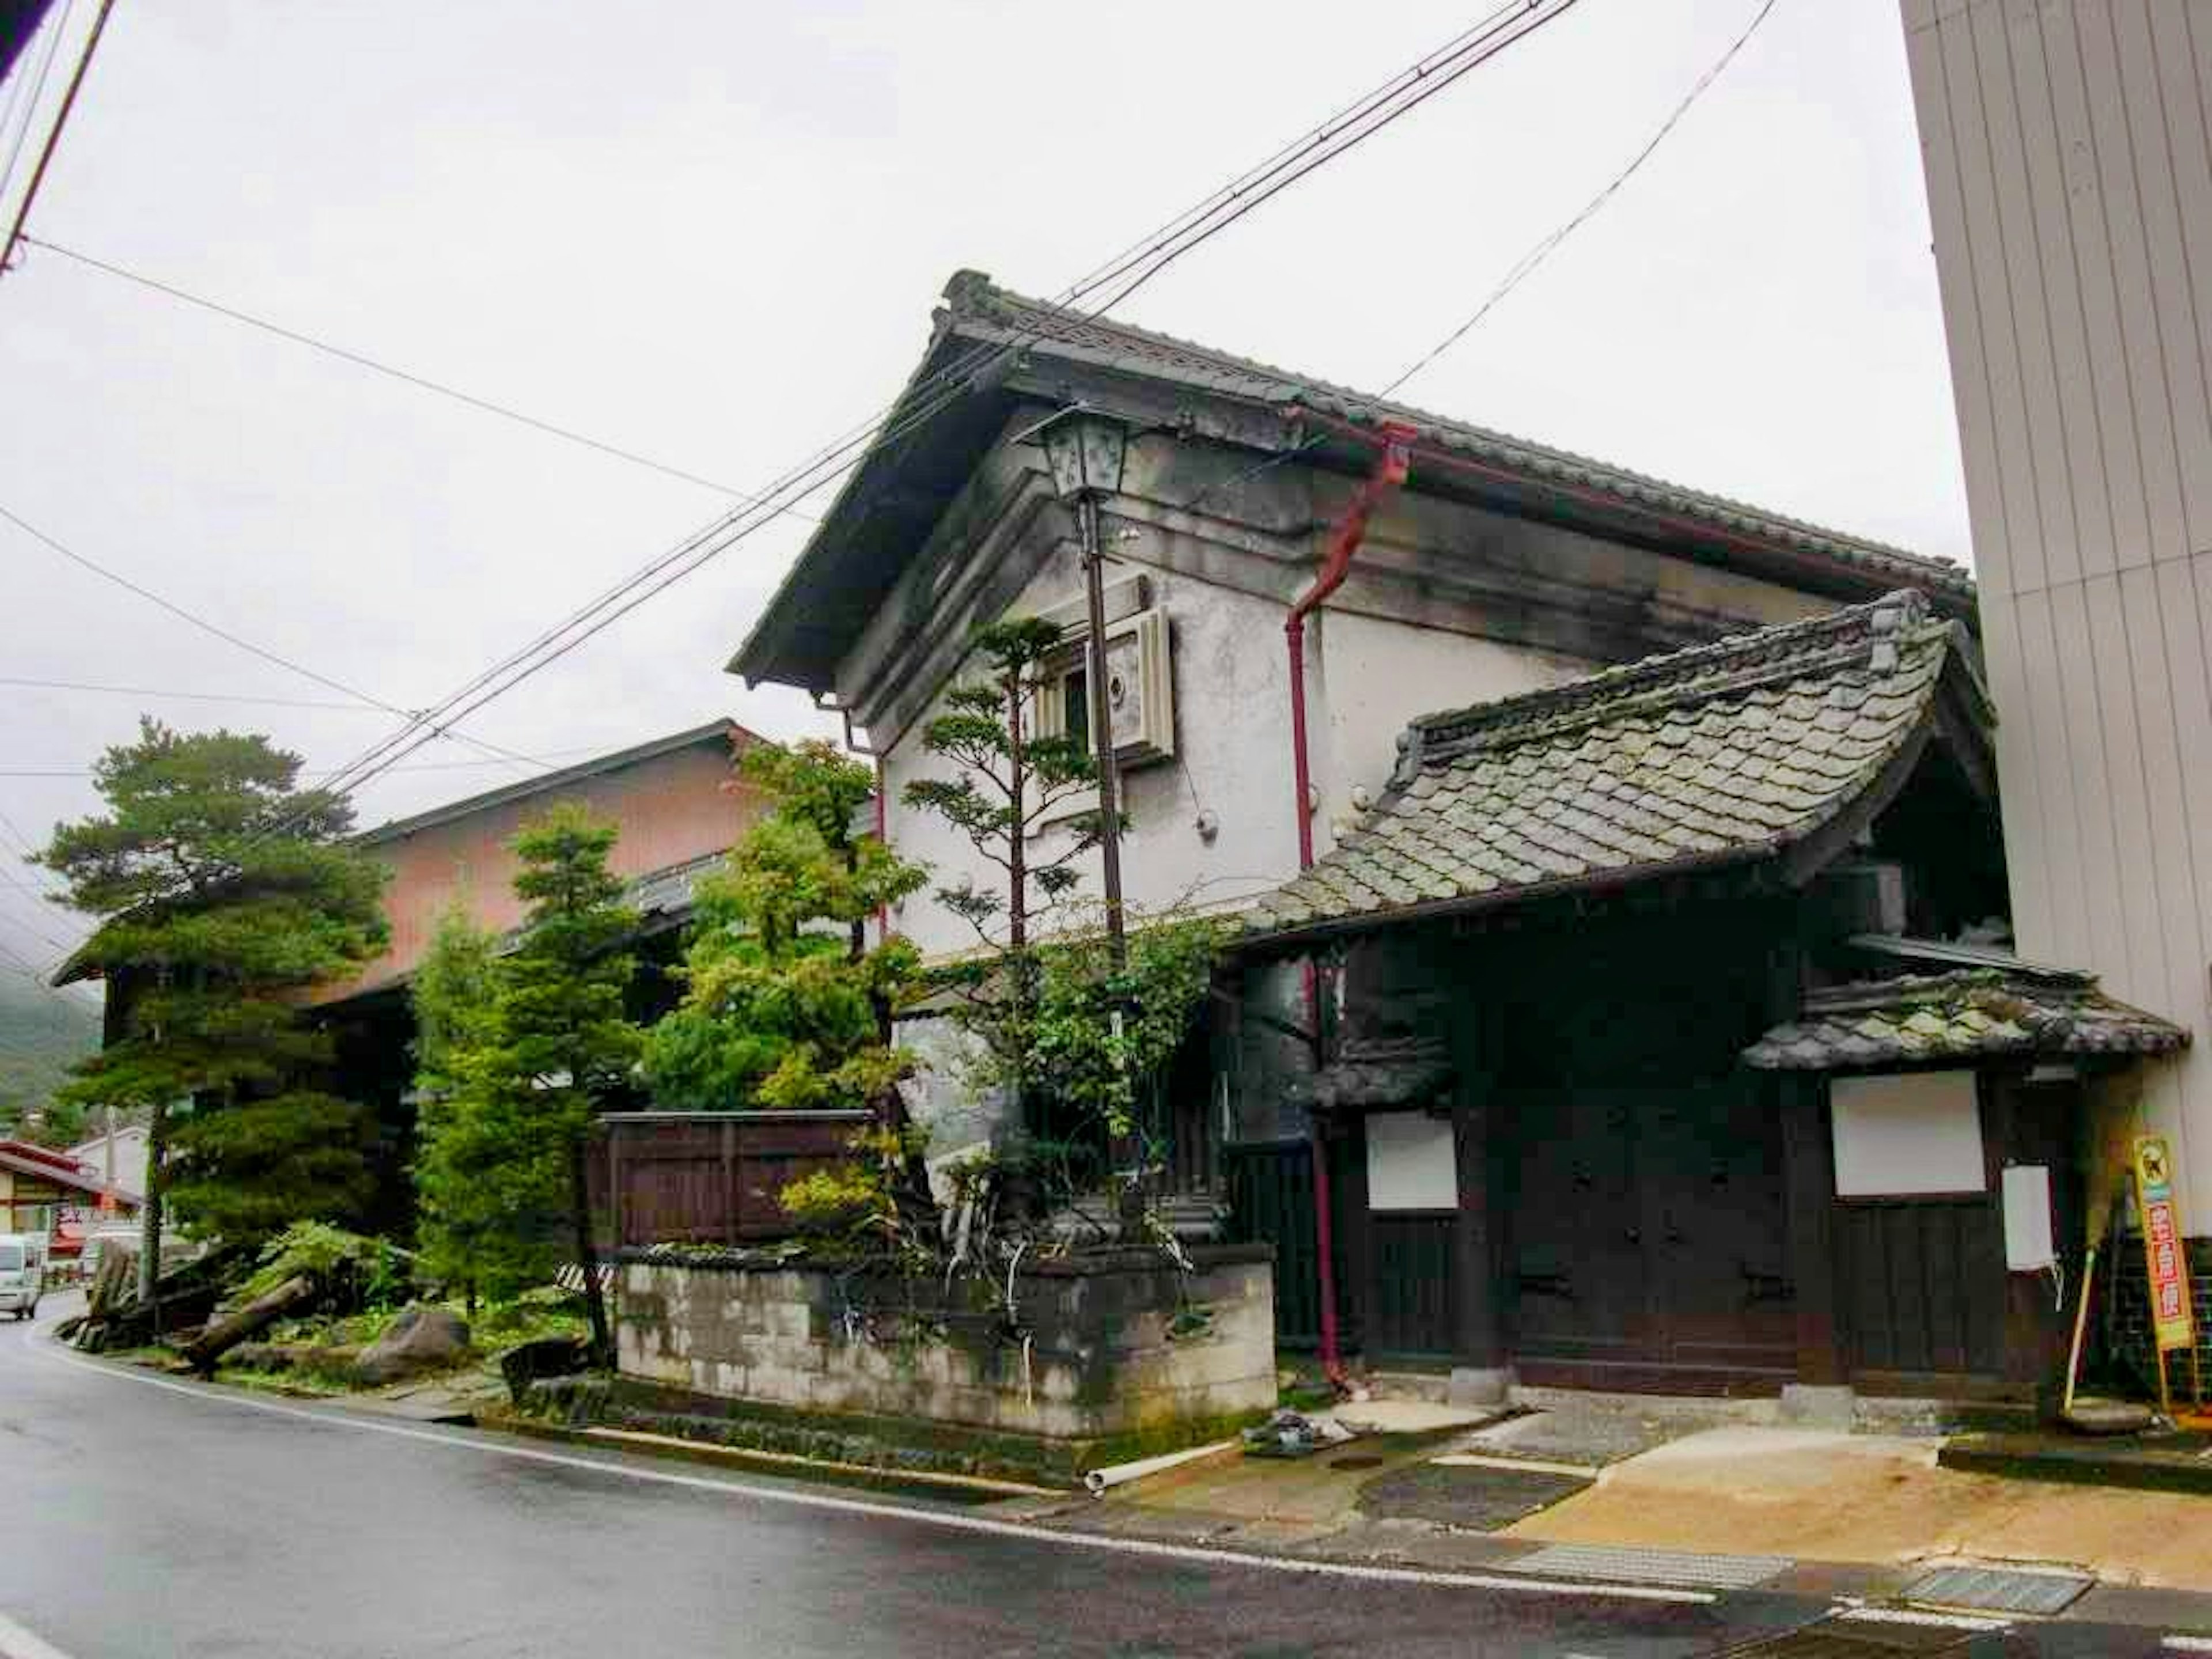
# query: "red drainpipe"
1344 540
883 839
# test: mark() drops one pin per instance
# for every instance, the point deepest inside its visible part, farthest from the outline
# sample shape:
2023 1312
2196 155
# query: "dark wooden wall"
708 1178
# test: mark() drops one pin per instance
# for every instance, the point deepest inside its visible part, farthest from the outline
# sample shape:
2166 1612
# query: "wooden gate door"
1709 1160
1578 1231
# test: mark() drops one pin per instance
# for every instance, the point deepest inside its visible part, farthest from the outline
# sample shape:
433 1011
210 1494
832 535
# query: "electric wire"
246 645
408 377
171 694
1522 268
958 378
56 26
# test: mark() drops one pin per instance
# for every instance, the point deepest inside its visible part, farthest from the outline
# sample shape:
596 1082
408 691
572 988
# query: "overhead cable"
361 360
1190 230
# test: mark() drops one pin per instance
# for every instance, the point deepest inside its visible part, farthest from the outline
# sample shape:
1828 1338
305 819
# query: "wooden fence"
708 1178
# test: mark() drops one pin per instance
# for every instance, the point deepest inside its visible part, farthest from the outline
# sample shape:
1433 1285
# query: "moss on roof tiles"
1913 1020
1741 749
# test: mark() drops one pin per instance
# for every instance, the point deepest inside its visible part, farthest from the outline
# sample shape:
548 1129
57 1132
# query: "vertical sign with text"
2163 1253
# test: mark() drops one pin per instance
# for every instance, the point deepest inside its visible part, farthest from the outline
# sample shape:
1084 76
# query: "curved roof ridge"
972 297
1732 663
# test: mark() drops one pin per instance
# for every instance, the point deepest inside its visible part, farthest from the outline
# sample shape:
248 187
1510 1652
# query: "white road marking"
953 1523
16 1643
2188 1643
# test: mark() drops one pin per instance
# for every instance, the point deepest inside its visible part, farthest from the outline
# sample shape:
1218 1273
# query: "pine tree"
1009 782
785 1004
525 1072
222 889
461 1174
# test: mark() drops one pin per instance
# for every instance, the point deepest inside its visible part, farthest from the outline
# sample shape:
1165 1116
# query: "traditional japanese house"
1644 1062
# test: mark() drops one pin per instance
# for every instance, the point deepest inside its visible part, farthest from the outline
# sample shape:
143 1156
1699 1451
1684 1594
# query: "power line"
1527 263
54 134
1399 97
361 360
170 693
246 645
1522 268
57 26
426 766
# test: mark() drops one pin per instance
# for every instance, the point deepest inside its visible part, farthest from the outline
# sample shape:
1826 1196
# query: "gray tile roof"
1372 1072
978 308
1968 1015
1725 753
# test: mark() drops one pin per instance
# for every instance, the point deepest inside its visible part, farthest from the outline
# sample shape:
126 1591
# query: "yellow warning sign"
2164 1252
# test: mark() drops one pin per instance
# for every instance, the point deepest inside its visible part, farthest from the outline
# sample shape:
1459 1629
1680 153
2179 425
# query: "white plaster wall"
1232 757
1370 677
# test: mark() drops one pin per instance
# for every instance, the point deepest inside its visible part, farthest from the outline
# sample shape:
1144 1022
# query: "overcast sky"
713 233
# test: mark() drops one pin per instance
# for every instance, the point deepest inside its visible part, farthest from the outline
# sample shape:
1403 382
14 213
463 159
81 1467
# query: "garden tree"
1008 783
462 1172
785 1004
1076 1038
222 889
527 1045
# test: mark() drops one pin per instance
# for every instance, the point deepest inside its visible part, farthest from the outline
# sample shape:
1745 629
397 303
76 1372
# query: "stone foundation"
1106 1346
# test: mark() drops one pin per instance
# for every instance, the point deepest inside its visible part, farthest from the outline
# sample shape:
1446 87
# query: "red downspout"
1344 540
884 840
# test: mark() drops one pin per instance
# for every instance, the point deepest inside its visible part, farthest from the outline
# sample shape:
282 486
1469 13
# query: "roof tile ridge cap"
978 298
1867 993
1758 650
1527 452
1006 306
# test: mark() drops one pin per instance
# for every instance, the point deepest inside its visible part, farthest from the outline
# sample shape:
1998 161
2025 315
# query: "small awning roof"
1975 1014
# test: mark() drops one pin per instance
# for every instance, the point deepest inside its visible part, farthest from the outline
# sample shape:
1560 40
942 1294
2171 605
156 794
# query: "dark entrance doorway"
1647 1240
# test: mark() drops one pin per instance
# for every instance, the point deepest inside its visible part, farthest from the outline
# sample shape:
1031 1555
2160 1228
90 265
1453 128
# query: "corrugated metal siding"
2069 153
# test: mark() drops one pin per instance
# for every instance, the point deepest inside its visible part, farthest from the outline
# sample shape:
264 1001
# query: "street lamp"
1087 452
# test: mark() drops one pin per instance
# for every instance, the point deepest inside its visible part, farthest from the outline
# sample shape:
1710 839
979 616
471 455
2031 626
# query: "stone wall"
1109 1345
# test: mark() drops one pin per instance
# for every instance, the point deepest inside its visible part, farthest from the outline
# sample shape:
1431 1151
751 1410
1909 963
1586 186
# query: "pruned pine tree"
1007 783
559 1044
465 1206
222 889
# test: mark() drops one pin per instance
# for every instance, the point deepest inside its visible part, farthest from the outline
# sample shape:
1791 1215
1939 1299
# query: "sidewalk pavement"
1789 1509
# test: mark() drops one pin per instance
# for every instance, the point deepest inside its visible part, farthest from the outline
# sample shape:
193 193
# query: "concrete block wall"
1106 1345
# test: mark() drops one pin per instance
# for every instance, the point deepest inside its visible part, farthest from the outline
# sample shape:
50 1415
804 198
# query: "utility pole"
54 133
1087 452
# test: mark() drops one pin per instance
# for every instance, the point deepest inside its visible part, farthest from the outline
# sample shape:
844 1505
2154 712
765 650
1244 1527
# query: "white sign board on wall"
1411 1164
1907 1133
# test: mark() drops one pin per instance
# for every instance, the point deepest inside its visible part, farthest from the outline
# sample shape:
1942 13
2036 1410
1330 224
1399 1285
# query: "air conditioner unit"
1139 689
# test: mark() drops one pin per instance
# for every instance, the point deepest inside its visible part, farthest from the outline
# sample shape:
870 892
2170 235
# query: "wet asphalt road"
139 1519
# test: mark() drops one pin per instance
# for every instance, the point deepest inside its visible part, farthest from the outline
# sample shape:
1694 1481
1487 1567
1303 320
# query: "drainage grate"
1832 1638
1627 1566
1992 1589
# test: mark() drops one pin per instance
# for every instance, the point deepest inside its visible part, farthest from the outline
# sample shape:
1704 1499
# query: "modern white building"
2068 146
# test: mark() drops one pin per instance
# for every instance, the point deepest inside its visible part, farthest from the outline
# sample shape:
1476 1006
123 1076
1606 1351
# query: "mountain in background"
41 1031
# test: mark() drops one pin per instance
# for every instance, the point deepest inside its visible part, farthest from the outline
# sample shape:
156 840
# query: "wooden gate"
1271 1201
1648 1240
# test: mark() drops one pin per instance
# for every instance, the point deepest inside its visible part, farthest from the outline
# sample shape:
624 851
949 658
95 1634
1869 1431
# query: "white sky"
713 233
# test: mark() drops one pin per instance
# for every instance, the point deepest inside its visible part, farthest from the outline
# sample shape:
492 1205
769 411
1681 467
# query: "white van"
22 1272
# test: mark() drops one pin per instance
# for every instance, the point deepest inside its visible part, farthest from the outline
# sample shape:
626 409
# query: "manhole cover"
1360 1461
1996 1589
1478 1500
1627 1566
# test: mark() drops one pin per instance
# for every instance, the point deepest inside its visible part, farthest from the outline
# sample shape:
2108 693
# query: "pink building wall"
671 808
